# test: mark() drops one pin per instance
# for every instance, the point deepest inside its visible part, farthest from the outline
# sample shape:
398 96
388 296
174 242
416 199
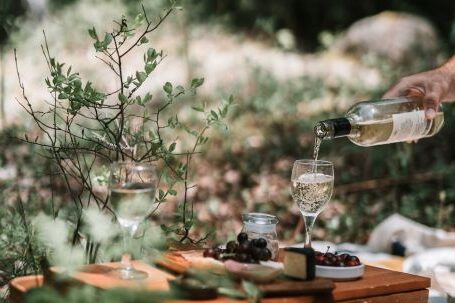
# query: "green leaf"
150 67
151 54
173 121
198 109
168 179
122 98
232 293
92 33
172 192
59 79
147 98
172 147
168 88
99 46
213 113
107 39
190 131
202 140
197 82
63 96
179 89
254 294
161 194
144 40
141 76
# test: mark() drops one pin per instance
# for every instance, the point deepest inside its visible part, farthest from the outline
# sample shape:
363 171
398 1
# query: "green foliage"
85 128
9 11
18 251
60 4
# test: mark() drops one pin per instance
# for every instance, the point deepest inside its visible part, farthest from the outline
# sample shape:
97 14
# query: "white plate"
340 273
255 272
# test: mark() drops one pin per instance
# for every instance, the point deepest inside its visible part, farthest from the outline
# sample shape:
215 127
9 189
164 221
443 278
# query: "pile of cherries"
338 260
243 250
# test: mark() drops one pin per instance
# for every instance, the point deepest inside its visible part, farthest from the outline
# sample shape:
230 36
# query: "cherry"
329 255
343 257
352 263
338 260
319 259
327 262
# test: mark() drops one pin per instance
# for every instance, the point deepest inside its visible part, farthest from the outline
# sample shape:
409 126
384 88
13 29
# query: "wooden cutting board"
95 275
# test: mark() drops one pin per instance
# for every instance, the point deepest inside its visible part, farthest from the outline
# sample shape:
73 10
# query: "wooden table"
378 285
382 285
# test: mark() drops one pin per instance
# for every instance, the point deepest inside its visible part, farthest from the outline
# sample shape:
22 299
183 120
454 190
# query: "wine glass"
312 187
132 189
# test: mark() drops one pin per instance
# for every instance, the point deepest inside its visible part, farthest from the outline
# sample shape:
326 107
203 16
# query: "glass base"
128 274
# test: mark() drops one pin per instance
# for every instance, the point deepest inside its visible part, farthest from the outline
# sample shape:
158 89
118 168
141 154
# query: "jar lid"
259 218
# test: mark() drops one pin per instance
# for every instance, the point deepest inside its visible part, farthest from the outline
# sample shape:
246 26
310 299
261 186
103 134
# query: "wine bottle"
385 121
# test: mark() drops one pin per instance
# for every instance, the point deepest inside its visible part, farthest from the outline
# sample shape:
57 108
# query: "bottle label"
408 126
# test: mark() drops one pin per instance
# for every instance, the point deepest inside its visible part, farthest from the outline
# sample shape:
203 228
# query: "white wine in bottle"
381 122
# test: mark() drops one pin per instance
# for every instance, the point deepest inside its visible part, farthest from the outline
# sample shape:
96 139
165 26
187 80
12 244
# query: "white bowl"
340 273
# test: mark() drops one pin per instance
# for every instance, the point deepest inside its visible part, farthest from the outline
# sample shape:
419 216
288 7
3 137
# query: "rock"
399 38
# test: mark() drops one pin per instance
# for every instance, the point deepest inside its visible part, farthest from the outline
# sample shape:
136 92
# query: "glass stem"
309 222
128 233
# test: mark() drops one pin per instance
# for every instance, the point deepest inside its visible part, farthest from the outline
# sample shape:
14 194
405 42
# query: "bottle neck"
333 128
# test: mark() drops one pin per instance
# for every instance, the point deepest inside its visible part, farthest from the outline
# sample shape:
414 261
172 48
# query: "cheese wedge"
299 263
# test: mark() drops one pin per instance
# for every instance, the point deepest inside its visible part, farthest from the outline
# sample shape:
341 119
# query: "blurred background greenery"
288 64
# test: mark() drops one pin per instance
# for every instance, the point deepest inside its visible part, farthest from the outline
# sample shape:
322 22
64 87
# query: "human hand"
433 86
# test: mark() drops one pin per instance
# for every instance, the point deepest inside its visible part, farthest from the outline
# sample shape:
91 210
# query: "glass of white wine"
312 187
132 189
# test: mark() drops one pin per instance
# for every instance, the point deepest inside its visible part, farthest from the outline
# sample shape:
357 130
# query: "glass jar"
260 225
